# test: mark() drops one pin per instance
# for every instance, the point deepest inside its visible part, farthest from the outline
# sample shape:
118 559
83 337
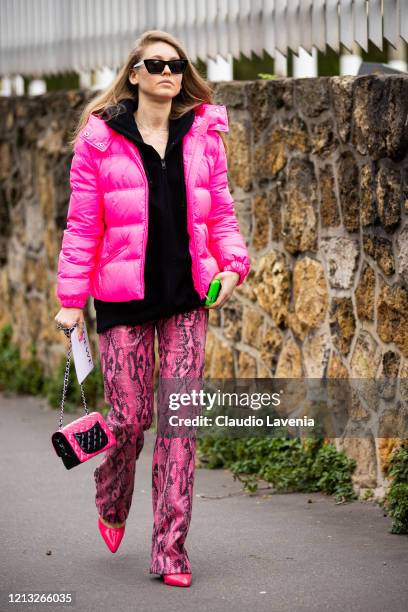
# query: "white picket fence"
39 37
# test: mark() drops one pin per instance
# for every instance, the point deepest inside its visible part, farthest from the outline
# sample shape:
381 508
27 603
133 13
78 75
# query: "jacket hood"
206 117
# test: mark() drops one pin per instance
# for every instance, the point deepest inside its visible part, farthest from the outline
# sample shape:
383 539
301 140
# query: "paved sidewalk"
276 553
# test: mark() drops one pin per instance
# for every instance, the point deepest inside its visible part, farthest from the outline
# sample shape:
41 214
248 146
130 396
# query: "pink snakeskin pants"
127 362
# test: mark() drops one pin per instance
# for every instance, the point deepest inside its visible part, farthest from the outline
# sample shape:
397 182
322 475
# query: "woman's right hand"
68 317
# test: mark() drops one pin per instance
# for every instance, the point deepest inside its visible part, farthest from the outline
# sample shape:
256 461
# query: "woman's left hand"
228 280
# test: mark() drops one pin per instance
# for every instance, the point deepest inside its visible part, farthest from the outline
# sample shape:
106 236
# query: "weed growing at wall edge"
288 464
395 502
27 376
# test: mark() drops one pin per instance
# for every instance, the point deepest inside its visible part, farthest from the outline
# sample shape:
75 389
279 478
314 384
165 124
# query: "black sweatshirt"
168 279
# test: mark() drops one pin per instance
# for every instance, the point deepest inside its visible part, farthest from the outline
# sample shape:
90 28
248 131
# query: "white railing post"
398 57
103 78
220 69
350 62
305 64
36 87
280 64
85 79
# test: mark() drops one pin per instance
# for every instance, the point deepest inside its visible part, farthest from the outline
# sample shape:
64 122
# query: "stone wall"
319 173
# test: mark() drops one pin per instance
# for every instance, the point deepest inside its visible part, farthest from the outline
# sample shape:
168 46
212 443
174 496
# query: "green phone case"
213 291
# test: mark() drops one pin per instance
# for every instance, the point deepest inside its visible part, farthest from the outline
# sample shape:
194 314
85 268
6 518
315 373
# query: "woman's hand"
228 280
68 317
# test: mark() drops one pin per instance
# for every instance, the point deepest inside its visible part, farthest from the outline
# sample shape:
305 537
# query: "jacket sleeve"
225 239
85 227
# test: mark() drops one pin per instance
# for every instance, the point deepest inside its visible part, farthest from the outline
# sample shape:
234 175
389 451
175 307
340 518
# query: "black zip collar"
125 123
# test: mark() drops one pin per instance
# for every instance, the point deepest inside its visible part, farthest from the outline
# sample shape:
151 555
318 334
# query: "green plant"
367 494
27 376
332 470
396 499
16 374
267 76
92 385
289 464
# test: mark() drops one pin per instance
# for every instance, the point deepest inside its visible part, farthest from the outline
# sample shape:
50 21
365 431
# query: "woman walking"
150 224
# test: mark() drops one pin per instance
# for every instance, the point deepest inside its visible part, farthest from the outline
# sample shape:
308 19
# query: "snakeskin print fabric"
127 363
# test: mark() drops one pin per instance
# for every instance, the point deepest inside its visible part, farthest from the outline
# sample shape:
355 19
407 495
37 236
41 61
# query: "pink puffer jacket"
104 243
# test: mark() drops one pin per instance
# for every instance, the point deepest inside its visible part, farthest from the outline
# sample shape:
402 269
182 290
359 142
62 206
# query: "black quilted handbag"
85 437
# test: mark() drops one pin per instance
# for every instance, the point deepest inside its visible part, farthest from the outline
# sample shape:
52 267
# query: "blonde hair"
195 89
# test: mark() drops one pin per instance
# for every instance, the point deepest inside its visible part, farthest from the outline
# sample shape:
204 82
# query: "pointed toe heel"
181 580
112 535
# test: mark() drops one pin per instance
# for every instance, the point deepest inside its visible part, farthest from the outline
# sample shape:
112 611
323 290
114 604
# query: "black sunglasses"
156 66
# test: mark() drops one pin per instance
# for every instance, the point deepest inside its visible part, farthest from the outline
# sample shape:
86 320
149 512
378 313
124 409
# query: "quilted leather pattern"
104 244
92 440
82 439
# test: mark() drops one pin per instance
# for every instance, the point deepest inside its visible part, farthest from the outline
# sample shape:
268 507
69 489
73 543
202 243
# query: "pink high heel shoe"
181 580
112 535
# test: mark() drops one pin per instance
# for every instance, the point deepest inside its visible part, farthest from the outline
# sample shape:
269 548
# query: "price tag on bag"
82 354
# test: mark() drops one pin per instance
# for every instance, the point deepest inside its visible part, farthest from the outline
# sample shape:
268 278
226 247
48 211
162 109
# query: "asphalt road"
266 552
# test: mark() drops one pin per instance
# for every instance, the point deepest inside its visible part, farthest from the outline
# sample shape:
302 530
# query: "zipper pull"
163 163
